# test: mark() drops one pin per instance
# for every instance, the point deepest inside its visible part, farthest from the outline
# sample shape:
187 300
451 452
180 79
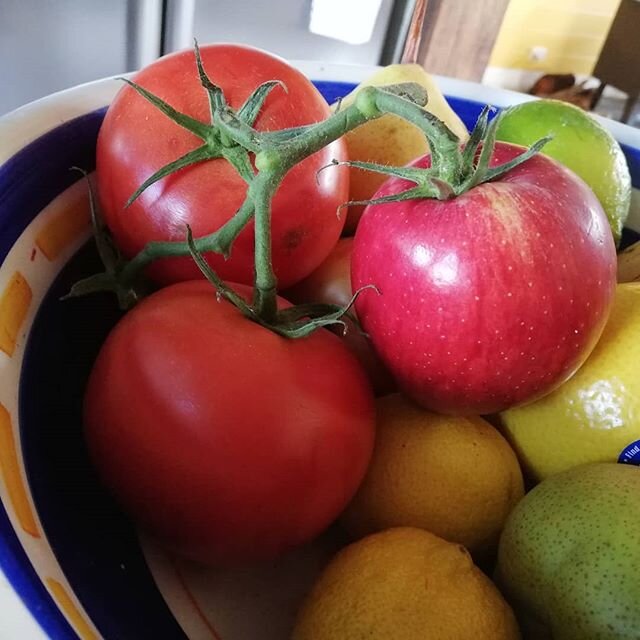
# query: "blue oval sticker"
630 454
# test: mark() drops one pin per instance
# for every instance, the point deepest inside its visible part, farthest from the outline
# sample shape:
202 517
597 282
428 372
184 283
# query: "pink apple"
489 299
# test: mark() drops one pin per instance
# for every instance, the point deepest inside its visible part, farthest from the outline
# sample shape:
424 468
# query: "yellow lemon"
455 476
595 415
390 140
404 584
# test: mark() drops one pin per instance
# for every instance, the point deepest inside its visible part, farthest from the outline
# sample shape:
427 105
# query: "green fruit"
579 142
570 552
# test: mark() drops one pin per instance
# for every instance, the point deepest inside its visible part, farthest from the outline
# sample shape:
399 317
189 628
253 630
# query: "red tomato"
490 299
228 442
331 283
136 140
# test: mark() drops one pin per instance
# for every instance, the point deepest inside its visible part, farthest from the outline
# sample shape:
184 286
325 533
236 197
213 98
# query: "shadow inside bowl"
95 544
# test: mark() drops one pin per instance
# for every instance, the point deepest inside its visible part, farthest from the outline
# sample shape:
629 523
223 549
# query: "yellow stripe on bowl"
12 476
14 304
74 615
66 218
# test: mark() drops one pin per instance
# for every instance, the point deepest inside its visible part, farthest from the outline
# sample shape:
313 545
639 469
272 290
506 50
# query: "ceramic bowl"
71 565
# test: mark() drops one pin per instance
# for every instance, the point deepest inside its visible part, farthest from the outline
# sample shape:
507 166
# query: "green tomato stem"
275 156
218 242
274 162
444 145
261 192
231 135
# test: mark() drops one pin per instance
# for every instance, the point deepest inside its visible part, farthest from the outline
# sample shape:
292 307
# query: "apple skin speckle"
498 277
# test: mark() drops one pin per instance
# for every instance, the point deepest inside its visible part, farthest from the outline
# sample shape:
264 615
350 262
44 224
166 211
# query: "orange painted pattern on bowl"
12 476
68 218
75 617
14 304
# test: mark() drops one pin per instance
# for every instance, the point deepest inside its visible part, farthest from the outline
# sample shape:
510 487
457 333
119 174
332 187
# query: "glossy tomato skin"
227 442
331 283
136 139
491 299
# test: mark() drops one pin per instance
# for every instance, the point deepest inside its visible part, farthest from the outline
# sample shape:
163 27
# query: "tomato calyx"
216 142
275 155
296 321
453 170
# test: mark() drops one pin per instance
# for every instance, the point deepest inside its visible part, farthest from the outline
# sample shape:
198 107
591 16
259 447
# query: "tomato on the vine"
226 441
136 139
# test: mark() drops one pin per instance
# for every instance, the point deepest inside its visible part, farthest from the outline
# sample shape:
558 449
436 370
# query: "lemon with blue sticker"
595 415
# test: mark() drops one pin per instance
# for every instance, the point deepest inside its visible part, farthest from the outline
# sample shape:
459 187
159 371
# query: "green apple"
570 552
579 142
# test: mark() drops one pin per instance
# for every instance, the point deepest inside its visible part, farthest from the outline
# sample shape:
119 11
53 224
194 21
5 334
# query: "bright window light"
351 21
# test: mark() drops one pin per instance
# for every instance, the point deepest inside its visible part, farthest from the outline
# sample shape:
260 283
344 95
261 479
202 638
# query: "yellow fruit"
629 263
455 476
389 139
594 416
404 584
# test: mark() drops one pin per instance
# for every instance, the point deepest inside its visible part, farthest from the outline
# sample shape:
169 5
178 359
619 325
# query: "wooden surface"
459 35
619 61
414 37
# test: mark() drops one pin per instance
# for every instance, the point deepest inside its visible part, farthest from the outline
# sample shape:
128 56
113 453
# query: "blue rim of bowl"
24 195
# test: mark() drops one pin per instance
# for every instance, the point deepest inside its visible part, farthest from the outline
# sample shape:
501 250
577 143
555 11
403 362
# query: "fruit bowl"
71 565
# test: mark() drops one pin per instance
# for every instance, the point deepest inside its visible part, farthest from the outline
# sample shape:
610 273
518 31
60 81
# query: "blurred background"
583 51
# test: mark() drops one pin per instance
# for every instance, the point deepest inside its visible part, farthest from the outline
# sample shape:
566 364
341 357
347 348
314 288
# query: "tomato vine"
230 135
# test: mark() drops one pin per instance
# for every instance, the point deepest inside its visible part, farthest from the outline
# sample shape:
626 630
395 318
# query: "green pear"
570 552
